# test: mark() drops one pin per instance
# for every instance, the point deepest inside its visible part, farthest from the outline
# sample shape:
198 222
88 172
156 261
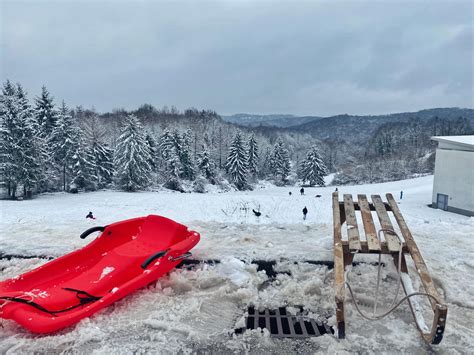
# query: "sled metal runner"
389 216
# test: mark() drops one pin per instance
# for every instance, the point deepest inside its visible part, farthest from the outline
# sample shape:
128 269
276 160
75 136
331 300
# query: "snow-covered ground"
197 309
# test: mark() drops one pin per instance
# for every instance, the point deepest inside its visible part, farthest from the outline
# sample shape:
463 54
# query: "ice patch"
233 269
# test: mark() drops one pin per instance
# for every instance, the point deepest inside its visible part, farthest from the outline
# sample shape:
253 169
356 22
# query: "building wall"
454 176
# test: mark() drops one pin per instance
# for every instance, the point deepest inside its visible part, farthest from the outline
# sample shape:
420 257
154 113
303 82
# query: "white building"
453 186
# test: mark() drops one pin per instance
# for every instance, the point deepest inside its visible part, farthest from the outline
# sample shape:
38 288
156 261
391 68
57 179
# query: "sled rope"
83 296
393 306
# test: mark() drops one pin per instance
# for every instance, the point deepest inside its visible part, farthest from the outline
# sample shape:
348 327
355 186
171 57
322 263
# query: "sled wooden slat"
369 227
338 266
351 221
346 211
392 241
364 248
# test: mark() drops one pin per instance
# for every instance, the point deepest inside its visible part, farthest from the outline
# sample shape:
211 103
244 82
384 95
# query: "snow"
234 270
463 140
414 302
107 270
196 310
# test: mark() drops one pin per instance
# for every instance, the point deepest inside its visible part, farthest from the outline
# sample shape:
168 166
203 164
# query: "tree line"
45 147
400 150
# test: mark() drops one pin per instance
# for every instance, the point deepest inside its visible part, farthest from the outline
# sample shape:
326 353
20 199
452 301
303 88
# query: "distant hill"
346 127
251 120
354 128
357 126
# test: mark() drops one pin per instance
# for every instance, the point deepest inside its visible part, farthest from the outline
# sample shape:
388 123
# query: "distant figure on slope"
305 212
257 213
302 191
336 190
90 215
401 195
289 193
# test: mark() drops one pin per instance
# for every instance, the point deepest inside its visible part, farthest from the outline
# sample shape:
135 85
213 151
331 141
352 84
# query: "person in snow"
401 195
90 215
289 193
257 213
305 212
336 190
302 191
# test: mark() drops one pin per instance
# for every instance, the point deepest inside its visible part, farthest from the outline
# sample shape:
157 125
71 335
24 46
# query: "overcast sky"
318 58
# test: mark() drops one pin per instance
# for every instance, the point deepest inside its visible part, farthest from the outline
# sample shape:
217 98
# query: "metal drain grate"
281 324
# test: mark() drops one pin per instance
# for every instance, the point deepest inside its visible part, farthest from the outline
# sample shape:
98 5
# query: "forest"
45 146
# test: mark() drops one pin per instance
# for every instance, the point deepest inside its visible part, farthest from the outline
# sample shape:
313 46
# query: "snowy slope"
196 309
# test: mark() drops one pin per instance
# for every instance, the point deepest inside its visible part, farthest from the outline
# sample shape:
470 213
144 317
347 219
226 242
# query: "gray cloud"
296 57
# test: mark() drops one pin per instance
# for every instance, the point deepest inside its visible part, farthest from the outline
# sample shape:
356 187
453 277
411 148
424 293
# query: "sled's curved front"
126 256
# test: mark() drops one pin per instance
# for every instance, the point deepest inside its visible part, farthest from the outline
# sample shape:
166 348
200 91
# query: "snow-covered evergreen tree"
9 111
152 147
132 157
187 165
83 168
100 153
102 161
170 157
64 141
279 164
29 170
205 165
45 113
312 168
264 170
182 150
237 161
19 165
253 156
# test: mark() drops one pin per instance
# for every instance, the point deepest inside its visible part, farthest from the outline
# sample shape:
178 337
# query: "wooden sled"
345 211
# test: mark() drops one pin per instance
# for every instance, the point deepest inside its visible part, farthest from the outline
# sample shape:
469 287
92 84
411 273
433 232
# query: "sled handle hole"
153 257
91 230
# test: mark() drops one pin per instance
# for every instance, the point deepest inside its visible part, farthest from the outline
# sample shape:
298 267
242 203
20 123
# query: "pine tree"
187 165
100 153
182 149
64 141
236 164
205 165
279 164
29 173
83 168
132 157
152 147
102 161
45 113
170 156
312 168
253 156
19 166
265 170
8 143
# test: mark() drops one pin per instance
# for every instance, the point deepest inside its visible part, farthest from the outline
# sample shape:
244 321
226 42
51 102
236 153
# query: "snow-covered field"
196 310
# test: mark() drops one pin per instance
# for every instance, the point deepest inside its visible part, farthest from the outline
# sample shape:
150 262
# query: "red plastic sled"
126 256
